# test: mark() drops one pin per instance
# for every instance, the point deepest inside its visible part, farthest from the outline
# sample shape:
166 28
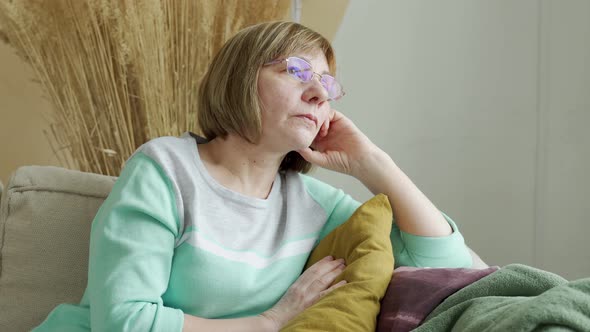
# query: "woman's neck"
241 166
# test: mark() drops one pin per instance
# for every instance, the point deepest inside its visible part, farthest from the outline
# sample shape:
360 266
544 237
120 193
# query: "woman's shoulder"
334 201
321 191
167 149
313 183
171 153
168 144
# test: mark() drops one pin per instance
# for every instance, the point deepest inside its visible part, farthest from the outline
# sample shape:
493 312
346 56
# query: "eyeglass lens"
301 70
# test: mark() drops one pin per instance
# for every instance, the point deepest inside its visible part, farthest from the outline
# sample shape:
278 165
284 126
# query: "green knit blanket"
515 298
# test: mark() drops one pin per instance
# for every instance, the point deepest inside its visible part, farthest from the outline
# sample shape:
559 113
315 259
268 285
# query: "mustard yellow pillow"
363 241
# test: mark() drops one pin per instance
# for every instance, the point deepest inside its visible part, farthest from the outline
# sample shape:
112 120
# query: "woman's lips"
310 117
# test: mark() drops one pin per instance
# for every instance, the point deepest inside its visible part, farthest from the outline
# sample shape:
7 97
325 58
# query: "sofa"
45 218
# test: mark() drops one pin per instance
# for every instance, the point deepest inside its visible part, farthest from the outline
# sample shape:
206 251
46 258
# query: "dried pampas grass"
120 72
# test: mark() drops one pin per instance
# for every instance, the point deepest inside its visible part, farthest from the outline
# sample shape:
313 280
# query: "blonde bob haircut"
228 95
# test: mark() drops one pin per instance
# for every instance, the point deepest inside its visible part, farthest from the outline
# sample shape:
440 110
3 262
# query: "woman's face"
292 111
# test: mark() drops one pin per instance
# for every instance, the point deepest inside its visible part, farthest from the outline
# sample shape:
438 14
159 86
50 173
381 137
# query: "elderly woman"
213 234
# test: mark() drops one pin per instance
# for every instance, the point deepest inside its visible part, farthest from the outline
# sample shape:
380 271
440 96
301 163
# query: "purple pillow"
414 292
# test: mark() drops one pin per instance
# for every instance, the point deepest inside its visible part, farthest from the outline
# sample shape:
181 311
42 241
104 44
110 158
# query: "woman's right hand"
312 285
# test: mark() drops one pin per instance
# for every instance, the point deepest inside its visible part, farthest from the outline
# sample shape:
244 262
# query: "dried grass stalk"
121 72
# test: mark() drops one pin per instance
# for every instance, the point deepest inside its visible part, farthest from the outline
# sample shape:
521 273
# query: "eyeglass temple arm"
274 62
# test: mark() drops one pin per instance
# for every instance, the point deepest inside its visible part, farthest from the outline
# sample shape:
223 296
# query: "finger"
319 269
332 114
325 129
336 114
336 285
331 289
325 278
306 154
313 157
326 124
307 276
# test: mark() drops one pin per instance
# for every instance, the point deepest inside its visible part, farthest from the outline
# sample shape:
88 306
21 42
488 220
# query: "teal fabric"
337 205
424 251
131 248
515 298
170 240
408 249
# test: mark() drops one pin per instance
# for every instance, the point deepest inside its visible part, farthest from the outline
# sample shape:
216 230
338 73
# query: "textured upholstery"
363 241
45 218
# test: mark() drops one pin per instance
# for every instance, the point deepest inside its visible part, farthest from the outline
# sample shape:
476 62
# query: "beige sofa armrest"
45 218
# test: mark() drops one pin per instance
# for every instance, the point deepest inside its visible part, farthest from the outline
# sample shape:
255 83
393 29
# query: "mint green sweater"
170 240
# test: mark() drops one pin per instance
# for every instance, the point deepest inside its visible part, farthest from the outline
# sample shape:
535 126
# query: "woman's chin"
299 140
302 144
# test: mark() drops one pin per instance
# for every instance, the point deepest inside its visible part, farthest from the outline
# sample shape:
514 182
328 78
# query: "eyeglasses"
301 70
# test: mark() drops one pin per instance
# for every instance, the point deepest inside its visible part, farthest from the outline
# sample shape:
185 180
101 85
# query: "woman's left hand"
339 146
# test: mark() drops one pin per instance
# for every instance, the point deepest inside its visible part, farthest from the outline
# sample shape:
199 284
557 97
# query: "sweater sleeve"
408 249
131 249
426 251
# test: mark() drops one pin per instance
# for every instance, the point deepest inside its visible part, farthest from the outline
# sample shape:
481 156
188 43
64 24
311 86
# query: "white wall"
563 195
484 104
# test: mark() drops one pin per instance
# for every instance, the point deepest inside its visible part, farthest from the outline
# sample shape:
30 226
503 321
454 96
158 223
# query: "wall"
485 105
563 157
22 111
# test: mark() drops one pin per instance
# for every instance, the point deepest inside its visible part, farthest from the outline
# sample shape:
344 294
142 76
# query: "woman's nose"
315 91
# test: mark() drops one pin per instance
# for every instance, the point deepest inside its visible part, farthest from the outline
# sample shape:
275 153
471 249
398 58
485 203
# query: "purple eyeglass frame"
342 93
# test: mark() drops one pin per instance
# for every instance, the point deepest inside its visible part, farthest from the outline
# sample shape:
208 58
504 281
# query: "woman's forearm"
413 211
246 324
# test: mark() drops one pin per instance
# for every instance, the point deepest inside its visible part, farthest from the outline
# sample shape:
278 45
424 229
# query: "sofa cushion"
363 241
414 292
45 218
